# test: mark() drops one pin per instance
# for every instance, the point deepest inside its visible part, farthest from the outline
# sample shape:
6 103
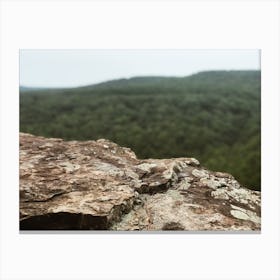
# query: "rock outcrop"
98 185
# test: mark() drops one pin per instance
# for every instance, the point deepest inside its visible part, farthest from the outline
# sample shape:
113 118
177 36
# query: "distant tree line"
213 116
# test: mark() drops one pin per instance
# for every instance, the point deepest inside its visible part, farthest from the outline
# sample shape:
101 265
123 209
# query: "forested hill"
213 116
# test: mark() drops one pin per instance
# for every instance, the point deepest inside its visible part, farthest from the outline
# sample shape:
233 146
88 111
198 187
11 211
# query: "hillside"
213 116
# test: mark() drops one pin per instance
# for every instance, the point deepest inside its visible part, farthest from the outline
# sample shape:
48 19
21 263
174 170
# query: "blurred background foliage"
213 116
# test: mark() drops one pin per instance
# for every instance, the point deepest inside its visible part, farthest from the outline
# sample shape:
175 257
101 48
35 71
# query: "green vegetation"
213 116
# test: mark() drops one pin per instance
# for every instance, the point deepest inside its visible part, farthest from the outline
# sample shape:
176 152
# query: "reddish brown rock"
98 185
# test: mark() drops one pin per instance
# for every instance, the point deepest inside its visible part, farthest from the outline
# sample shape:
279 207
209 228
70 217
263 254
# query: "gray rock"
98 185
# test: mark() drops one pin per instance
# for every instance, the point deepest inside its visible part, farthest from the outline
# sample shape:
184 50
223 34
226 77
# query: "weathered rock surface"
98 185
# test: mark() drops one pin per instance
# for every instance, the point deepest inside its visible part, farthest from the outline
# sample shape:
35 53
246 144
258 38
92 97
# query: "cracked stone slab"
98 185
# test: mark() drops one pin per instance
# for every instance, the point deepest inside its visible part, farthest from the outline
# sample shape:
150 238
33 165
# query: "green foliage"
213 116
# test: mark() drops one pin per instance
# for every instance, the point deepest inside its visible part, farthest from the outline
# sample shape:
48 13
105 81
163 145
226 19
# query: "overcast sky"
67 68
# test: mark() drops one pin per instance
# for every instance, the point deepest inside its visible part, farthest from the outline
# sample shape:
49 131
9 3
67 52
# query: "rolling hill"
213 116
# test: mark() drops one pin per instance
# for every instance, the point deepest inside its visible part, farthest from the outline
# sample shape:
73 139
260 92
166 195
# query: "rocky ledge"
98 185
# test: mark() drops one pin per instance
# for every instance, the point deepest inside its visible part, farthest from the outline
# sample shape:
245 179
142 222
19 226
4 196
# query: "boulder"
98 185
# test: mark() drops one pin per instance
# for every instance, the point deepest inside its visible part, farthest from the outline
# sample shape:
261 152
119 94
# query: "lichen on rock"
98 185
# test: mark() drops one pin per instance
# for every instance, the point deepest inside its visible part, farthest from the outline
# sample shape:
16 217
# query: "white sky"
67 68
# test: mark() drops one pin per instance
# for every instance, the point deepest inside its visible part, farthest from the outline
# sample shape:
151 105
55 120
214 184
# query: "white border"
155 24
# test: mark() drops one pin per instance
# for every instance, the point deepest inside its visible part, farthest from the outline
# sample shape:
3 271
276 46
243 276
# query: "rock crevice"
98 185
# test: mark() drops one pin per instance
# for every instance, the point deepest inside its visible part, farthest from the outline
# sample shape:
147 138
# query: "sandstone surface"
98 185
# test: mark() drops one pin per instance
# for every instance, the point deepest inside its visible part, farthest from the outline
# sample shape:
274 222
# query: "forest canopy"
213 116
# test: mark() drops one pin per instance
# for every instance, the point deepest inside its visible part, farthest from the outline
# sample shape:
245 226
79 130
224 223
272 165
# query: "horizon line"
132 77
